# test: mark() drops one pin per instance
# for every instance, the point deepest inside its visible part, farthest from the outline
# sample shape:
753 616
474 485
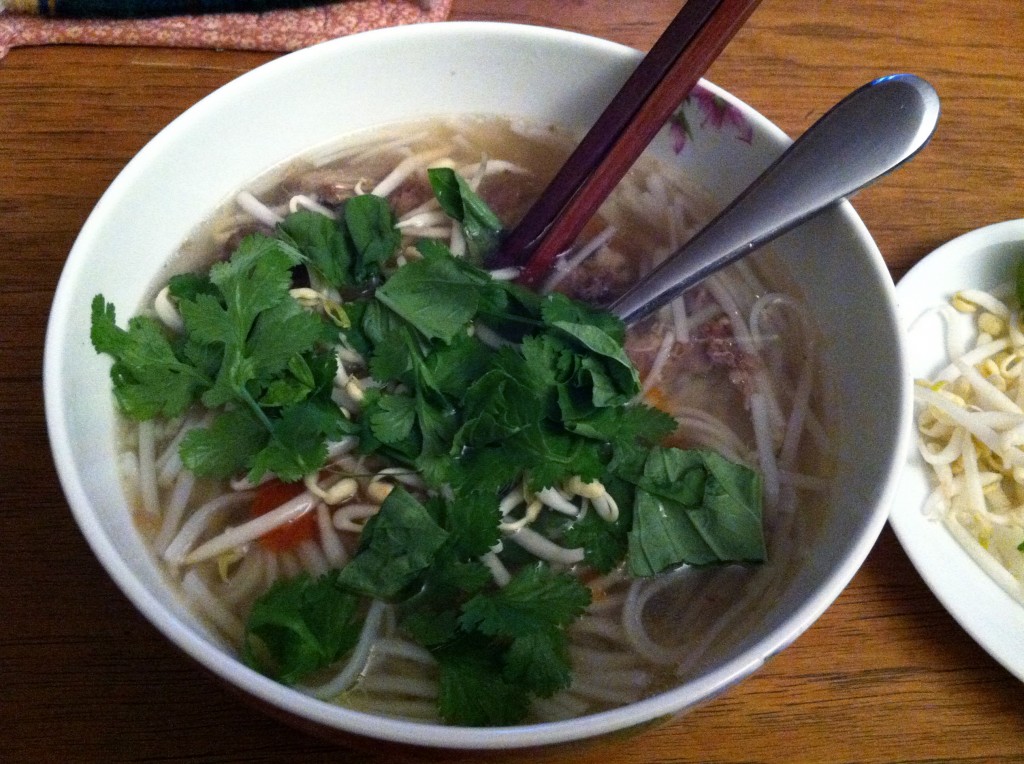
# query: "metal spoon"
866 135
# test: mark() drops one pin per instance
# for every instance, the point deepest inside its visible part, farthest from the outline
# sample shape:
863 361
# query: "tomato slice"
271 495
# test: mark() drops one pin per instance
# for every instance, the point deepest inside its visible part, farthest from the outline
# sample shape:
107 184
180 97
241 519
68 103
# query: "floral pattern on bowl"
715 112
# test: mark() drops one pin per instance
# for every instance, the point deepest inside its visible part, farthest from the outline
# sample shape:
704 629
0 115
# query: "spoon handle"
866 135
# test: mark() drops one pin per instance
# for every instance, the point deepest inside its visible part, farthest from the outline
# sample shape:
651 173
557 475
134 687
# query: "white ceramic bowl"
315 96
980 259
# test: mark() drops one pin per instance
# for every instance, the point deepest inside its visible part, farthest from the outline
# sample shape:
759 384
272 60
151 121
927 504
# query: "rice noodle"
253 529
168 463
738 588
601 626
147 468
175 510
667 341
799 412
312 558
712 432
404 649
559 707
258 209
199 595
404 169
250 576
803 482
356 663
391 684
564 266
765 448
199 522
401 708
680 321
596 659
597 690
640 593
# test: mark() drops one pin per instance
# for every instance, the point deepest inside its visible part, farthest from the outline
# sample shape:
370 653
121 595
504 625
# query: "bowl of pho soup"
388 491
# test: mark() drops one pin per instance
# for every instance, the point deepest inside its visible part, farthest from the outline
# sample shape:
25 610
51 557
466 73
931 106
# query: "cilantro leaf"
557 308
256 278
281 333
324 246
392 359
453 367
497 406
431 626
539 662
371 225
301 625
473 691
536 598
625 424
187 286
472 520
392 418
298 440
149 377
554 457
226 447
431 615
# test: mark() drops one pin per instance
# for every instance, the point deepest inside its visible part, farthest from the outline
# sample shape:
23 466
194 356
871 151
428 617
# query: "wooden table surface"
885 674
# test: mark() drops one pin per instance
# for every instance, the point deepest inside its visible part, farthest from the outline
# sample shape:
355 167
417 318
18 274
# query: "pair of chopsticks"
666 75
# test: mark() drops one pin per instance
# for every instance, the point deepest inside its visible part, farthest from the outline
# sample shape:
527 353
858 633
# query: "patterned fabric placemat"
282 30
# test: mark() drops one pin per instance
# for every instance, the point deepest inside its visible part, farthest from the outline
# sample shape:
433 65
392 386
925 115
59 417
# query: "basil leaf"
396 546
480 225
434 295
697 508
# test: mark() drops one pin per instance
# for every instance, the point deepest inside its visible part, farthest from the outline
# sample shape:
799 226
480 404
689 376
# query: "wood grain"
884 675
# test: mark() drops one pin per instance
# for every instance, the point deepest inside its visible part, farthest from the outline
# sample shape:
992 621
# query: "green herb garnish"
481 227
301 625
549 396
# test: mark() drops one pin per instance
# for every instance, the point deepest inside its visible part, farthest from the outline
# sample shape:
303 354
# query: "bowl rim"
213 658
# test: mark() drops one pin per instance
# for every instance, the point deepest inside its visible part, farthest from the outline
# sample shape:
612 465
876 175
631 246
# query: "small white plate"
981 258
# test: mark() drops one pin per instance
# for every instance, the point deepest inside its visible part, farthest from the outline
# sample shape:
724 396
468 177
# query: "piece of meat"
722 350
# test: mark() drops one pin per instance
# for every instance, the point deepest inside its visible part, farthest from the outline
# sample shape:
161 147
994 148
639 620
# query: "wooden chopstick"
665 76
